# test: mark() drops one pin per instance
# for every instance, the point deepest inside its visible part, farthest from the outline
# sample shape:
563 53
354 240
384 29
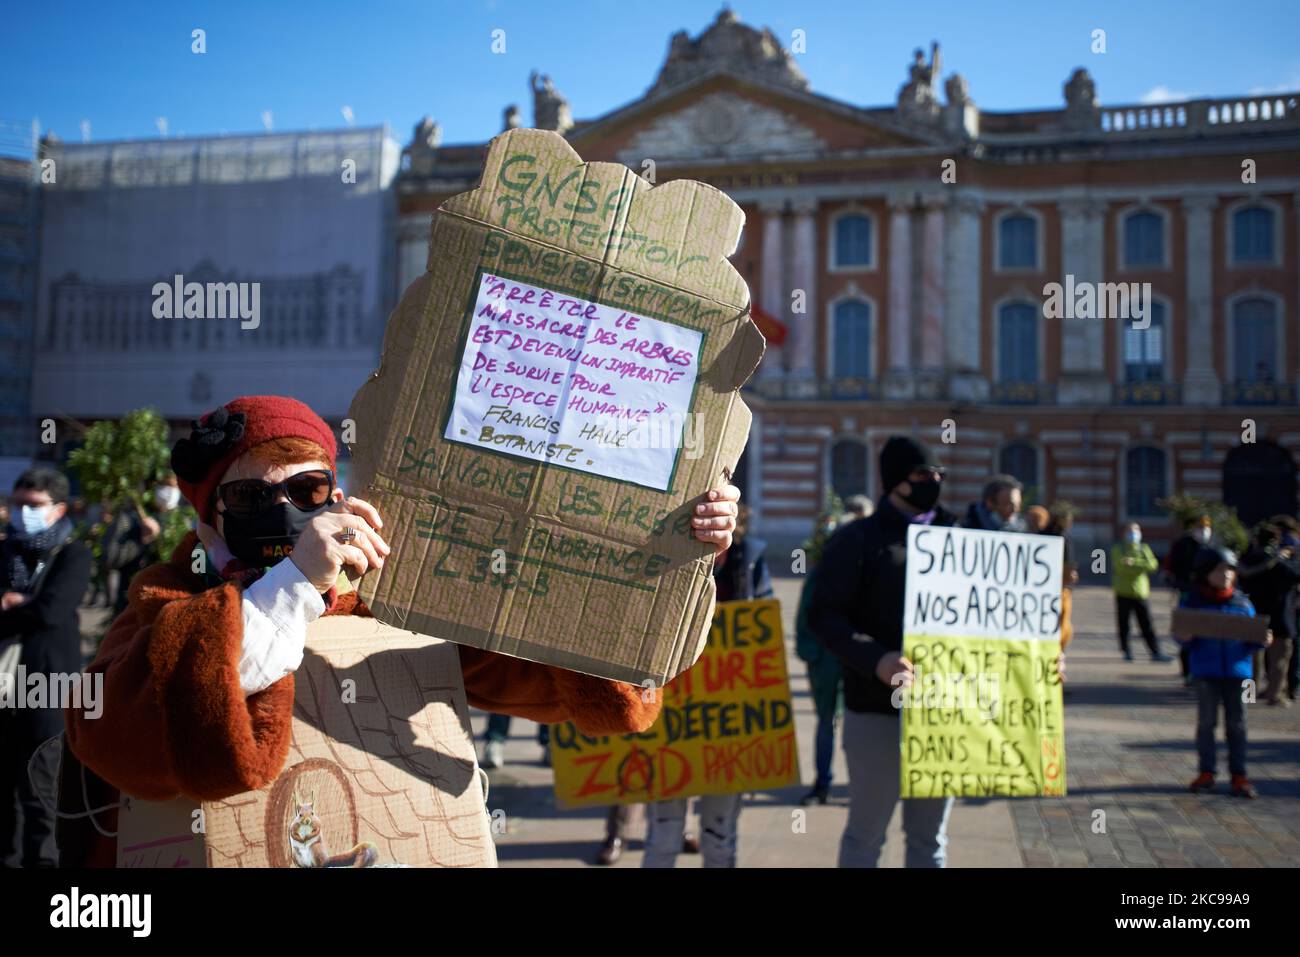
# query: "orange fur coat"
175 721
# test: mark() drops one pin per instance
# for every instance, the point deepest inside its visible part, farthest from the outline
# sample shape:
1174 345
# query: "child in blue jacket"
1219 668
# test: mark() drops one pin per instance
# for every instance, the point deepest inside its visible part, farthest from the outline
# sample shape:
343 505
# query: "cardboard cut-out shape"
1198 623
381 771
557 392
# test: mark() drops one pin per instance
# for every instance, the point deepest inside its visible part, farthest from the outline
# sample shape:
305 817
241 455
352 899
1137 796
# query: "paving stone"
1129 752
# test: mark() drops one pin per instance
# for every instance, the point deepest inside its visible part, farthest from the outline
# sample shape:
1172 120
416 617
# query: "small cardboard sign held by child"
381 770
557 393
1196 623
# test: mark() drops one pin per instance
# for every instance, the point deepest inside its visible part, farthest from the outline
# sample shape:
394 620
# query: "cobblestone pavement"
1129 758
1129 753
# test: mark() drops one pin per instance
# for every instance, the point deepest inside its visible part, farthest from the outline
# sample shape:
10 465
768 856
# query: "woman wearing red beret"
198 671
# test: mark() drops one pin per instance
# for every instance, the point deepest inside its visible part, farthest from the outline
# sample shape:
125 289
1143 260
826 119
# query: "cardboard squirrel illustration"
307 843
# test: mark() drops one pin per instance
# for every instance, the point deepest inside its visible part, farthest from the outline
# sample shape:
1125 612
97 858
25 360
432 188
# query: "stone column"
933 283
962 311
898 380
803 369
1201 385
412 249
1083 359
772 287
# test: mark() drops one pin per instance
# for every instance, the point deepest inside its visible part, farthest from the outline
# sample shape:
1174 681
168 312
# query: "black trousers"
1124 607
20 736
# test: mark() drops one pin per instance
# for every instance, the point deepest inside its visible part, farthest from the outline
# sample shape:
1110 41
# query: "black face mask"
924 494
264 539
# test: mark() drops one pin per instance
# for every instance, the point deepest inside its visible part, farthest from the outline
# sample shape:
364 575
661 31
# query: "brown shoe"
610 851
1241 787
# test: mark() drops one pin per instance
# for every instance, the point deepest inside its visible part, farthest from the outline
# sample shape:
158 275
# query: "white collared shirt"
277 609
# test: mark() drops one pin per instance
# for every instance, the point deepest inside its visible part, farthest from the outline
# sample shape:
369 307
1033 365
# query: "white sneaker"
494 755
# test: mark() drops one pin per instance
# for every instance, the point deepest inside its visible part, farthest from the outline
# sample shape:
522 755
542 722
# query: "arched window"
1144 349
1253 235
853 241
1259 480
1020 459
1018 342
1144 239
1018 242
1145 480
1254 340
852 329
849 468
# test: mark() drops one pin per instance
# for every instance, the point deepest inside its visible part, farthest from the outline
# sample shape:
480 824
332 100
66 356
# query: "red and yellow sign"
727 725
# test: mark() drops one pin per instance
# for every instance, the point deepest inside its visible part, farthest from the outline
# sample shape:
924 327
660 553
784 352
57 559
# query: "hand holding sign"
343 537
895 670
715 519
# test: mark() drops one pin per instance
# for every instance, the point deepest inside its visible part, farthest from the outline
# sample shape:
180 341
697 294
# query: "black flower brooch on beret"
213 436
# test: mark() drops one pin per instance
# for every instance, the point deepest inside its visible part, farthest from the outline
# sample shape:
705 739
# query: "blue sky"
121 65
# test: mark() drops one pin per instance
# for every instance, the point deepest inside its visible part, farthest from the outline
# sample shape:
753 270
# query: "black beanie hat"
900 455
1207 560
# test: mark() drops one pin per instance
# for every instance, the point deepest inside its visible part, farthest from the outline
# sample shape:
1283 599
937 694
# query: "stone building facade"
304 220
909 250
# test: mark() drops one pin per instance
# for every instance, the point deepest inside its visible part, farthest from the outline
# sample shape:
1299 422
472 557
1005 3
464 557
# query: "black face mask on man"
924 494
264 539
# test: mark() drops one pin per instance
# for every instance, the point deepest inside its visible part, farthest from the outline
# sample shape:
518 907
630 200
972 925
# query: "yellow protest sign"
727 725
982 628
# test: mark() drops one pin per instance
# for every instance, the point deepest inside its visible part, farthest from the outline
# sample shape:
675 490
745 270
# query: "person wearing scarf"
1218 668
43 576
201 666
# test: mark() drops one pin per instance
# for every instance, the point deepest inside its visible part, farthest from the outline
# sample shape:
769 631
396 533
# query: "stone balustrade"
1207 115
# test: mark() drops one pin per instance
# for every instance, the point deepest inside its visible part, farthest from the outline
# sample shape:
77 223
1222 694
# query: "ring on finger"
348 535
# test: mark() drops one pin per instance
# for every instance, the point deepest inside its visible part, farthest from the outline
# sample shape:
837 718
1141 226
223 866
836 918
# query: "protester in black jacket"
1290 531
1269 573
740 573
998 509
43 576
1197 534
856 611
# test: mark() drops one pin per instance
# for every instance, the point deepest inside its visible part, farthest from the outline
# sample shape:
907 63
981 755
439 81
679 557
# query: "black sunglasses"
306 490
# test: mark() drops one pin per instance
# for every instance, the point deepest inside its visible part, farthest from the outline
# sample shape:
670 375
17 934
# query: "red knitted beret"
226 433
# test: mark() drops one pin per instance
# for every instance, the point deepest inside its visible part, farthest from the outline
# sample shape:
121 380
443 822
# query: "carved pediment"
731 45
721 125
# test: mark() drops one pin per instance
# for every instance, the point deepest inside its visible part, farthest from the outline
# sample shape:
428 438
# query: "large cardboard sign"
381 771
556 394
727 725
982 628
1190 623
